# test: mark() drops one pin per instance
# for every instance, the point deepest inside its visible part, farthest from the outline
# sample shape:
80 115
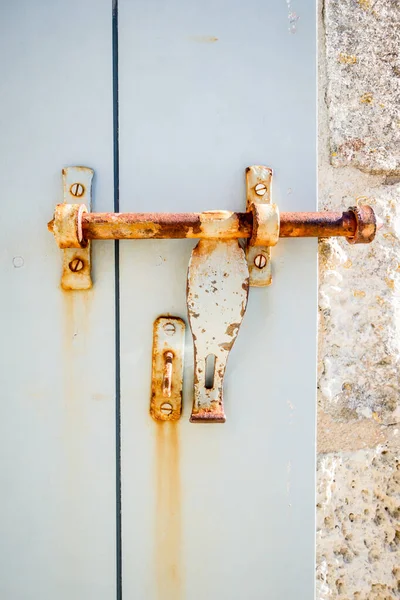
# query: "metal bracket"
258 192
217 291
167 373
76 269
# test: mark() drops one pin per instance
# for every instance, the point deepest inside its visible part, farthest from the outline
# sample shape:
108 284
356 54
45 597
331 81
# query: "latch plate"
258 191
167 368
217 291
76 267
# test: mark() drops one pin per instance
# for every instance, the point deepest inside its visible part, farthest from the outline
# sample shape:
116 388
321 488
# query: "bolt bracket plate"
258 178
76 269
167 368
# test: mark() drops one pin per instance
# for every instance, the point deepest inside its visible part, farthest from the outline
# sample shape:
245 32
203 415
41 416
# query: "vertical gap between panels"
117 306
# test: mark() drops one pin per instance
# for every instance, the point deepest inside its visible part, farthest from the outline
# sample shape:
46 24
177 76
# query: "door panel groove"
118 516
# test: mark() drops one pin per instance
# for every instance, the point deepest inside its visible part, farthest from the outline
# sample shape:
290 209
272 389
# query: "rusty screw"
260 261
169 328
260 189
77 190
76 265
166 408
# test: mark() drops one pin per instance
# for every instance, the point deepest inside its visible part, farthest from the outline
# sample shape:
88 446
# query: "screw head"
169 328
166 408
260 261
76 265
260 189
77 190
18 262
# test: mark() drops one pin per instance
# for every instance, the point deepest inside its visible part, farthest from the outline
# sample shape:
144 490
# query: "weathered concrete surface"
358 511
359 302
363 92
358 525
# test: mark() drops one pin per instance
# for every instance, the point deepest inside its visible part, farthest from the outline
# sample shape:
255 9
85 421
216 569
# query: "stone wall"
358 499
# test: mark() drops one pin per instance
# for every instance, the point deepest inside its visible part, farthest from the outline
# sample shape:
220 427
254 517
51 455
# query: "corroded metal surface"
67 225
367 225
258 193
230 225
318 224
216 224
217 291
76 269
265 225
167 368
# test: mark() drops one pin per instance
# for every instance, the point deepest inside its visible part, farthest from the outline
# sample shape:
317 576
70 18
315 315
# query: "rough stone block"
363 91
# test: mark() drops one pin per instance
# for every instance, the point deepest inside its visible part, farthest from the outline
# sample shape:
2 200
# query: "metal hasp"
217 291
76 269
167 368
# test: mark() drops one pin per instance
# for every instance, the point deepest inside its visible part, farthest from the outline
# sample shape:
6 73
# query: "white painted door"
57 524
213 511
168 102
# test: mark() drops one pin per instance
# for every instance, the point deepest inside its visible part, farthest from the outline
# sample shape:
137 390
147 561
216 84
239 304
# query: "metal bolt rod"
216 225
318 224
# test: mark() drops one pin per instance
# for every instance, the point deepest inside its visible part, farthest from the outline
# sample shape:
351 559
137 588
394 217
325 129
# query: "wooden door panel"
58 371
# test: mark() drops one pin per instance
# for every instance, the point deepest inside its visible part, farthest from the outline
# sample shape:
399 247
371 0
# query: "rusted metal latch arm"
357 224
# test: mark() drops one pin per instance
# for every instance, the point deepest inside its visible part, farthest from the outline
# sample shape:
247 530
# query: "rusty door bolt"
216 225
166 408
260 261
260 189
77 190
76 265
169 328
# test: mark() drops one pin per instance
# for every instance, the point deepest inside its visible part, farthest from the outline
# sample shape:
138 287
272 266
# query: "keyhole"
210 371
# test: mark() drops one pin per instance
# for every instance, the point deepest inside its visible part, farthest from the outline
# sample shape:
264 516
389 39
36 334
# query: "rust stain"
76 318
347 59
73 428
214 413
168 529
204 39
390 283
232 327
68 384
367 98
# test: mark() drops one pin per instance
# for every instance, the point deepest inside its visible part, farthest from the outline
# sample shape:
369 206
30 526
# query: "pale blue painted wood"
57 424
219 511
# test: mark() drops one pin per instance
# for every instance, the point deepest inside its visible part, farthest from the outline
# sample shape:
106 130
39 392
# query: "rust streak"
73 427
168 529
